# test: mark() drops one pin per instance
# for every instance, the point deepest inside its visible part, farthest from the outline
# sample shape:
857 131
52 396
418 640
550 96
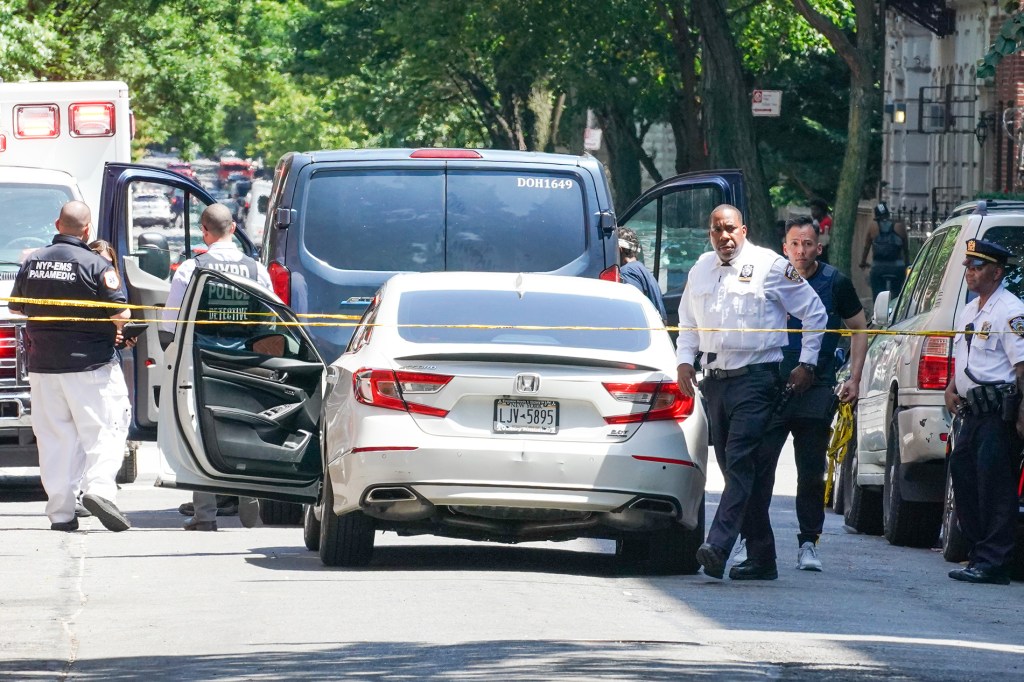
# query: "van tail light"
663 400
91 119
935 368
610 274
440 153
281 279
8 352
389 389
36 121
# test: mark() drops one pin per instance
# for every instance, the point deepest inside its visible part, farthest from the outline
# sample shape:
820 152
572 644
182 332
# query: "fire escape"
932 14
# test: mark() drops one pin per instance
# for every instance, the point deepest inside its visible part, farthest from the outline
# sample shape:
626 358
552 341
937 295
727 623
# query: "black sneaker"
65 526
712 559
107 512
752 570
981 576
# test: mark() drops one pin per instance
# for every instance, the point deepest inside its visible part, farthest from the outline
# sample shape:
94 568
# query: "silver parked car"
894 482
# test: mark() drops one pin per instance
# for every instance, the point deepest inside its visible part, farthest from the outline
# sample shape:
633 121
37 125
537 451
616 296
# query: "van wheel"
310 528
863 506
277 513
907 524
129 470
954 547
344 540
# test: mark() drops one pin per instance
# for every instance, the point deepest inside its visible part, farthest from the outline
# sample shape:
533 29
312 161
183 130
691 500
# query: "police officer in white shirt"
739 287
221 255
985 394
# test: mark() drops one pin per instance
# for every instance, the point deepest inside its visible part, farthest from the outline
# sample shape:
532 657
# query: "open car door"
151 217
242 391
671 220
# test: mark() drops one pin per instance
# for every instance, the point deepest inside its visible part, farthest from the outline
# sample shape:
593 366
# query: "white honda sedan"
487 406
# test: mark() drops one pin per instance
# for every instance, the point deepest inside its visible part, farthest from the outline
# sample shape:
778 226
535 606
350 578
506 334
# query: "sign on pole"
766 103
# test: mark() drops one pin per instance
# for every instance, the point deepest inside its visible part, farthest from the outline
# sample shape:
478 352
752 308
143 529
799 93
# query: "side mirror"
606 220
880 315
154 254
274 345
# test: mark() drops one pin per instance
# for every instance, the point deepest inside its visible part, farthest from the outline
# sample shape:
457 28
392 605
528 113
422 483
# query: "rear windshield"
508 309
421 221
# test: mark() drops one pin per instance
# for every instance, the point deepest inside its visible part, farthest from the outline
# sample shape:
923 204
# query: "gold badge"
971 244
985 329
746 272
792 275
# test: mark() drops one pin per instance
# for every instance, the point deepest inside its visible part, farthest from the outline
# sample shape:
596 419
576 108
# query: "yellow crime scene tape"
838 446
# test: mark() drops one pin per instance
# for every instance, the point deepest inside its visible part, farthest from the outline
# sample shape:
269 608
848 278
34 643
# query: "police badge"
1017 325
792 275
746 272
985 329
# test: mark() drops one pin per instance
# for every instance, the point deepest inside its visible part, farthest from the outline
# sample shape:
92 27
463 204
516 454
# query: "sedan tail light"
388 389
663 399
936 364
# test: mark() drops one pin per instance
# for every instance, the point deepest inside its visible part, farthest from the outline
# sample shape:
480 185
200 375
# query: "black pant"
809 418
983 465
739 412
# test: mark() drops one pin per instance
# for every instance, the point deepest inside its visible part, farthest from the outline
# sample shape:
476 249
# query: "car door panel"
242 420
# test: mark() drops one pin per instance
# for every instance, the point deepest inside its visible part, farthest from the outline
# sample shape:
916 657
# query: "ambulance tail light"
36 121
281 278
8 352
610 274
935 368
3 142
91 119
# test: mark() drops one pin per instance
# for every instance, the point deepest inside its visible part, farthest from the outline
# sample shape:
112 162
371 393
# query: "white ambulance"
75 126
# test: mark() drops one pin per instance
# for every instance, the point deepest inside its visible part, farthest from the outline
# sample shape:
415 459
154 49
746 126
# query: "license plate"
525 416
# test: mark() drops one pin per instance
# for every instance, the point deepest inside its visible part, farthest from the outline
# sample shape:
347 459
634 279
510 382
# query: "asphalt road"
159 603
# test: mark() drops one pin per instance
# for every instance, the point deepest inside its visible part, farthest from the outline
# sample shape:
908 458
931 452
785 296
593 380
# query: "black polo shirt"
68 270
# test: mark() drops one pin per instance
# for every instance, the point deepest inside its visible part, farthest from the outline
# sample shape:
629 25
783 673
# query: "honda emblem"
527 383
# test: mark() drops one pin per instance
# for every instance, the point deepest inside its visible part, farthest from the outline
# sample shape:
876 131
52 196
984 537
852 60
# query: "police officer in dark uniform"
80 400
985 395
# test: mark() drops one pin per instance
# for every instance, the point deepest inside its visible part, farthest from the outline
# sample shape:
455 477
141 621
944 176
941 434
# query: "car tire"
673 550
906 524
863 506
129 470
278 513
344 540
310 528
954 547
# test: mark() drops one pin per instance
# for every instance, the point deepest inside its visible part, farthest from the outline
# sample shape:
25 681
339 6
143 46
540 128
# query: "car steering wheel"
27 242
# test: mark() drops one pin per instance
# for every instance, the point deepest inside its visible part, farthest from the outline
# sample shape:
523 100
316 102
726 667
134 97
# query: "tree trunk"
728 120
684 117
623 160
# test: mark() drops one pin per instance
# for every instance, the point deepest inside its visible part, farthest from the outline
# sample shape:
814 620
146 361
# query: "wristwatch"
811 368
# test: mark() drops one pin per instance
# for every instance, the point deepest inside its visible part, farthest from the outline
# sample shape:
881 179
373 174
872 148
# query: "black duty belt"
717 374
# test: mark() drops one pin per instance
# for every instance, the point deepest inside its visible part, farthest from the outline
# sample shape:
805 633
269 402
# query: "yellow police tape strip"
328 316
838 447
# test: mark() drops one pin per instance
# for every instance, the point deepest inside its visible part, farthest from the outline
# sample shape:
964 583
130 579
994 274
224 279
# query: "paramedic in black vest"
808 416
80 401
221 255
887 242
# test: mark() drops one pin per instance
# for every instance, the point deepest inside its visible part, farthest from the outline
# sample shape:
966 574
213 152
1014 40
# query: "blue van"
341 223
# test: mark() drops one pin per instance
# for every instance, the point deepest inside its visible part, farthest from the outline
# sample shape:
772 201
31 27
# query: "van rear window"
28 214
421 221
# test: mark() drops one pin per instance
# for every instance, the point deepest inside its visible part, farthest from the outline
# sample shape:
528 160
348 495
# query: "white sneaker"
807 558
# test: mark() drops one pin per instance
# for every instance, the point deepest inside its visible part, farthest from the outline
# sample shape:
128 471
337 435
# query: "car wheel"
277 513
673 550
310 528
954 547
344 540
906 524
863 506
633 549
129 470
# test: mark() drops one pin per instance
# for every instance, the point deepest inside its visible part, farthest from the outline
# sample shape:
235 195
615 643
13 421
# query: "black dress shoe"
974 574
65 526
107 512
713 560
753 570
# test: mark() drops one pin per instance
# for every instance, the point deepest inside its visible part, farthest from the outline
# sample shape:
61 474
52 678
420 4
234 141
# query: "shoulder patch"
111 279
1017 325
792 275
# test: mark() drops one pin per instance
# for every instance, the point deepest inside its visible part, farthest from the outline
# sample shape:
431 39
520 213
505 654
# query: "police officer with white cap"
80 402
985 394
739 287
